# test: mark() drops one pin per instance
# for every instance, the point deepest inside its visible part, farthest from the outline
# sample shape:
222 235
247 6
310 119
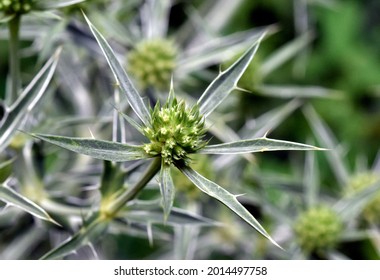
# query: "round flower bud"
318 229
371 211
175 132
152 62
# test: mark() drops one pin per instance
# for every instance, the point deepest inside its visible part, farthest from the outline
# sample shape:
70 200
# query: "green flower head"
175 132
152 63
318 229
16 6
371 212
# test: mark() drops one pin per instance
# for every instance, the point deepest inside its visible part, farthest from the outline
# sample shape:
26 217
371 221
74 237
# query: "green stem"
131 193
14 58
57 208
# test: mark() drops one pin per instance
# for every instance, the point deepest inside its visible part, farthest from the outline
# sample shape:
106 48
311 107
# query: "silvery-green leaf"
350 207
185 243
131 121
5 169
11 197
221 12
155 18
216 51
138 229
260 126
228 199
167 190
100 149
6 163
121 76
9 215
65 210
114 28
326 138
255 145
269 120
6 18
209 18
285 53
290 91
218 127
23 244
72 78
311 180
88 233
55 4
177 217
355 235
49 39
336 255
26 102
45 15
226 81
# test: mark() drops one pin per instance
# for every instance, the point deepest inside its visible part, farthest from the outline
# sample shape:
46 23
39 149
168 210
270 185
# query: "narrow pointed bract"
32 94
226 81
13 198
167 190
228 199
121 77
255 145
100 149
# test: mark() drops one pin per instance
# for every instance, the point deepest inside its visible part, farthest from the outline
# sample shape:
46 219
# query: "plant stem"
131 193
14 58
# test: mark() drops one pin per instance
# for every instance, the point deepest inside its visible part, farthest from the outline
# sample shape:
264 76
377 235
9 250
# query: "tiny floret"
16 6
175 132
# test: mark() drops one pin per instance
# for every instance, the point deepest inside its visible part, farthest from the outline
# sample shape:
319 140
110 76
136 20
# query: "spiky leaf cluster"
152 63
361 181
318 229
175 132
16 6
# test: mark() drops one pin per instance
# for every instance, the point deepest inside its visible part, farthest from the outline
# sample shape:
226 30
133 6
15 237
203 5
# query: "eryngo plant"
174 132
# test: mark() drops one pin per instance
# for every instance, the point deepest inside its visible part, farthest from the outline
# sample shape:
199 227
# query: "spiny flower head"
175 132
152 62
361 181
16 6
318 229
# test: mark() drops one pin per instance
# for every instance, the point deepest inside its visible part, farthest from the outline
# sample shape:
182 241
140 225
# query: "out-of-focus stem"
14 58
